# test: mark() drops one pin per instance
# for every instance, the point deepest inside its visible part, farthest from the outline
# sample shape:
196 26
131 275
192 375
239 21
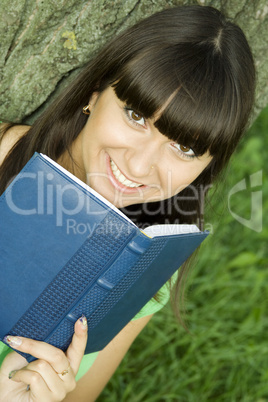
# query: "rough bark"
44 43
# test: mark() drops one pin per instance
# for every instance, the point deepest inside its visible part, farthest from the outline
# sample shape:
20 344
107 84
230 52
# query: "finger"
54 381
13 360
41 350
76 350
33 381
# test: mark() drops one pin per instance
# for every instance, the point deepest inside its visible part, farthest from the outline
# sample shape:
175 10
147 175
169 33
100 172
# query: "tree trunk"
44 43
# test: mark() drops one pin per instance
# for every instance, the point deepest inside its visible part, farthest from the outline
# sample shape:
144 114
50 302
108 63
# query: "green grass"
225 355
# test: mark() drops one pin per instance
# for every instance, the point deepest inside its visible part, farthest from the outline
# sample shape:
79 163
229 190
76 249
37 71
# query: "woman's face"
126 159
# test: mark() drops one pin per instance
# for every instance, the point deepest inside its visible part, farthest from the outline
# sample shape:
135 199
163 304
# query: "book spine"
105 293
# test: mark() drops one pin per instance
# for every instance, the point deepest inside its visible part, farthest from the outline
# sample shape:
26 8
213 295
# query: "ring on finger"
66 371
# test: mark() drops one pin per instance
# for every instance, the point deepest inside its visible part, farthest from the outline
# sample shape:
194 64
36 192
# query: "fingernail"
12 340
83 320
11 374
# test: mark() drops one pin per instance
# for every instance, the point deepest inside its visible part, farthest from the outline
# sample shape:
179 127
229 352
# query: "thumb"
75 351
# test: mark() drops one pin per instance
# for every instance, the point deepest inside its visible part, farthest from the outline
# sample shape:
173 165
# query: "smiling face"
126 159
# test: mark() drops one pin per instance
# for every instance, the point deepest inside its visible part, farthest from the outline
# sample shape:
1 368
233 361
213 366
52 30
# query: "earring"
86 109
152 166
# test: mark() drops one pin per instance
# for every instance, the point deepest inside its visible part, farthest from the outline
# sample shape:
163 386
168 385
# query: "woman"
150 122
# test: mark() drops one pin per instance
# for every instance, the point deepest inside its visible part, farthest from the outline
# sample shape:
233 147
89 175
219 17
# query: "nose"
144 160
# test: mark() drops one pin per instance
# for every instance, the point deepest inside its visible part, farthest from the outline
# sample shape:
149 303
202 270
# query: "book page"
167 230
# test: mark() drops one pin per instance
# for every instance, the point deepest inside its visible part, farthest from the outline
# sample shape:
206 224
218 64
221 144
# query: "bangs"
189 92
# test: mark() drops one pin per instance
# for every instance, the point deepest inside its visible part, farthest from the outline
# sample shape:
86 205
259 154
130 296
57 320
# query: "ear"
93 99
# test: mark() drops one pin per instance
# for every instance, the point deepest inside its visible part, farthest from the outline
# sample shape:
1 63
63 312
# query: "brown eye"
136 116
185 148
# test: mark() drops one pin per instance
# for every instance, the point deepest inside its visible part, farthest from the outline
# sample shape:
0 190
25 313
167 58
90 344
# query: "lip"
119 186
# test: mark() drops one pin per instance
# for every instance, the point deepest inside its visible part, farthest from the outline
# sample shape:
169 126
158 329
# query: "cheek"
108 132
178 179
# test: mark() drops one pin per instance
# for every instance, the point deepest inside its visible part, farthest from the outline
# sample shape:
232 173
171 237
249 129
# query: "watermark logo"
46 195
255 220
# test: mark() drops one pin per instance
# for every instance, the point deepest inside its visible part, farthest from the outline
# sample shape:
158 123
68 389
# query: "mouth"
119 180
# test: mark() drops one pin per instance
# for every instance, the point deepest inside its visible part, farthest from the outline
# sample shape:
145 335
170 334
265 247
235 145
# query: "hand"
42 380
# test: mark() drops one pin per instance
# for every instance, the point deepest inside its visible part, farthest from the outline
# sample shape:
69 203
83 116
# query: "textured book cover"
66 251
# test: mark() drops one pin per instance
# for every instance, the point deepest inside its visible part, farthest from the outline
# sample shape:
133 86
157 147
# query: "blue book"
66 251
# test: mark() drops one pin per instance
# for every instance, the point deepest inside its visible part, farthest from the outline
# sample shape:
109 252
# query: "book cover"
66 251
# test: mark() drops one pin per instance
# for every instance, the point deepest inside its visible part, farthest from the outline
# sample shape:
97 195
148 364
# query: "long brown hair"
192 51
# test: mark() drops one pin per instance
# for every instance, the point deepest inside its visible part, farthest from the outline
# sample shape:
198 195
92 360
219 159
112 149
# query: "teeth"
121 178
